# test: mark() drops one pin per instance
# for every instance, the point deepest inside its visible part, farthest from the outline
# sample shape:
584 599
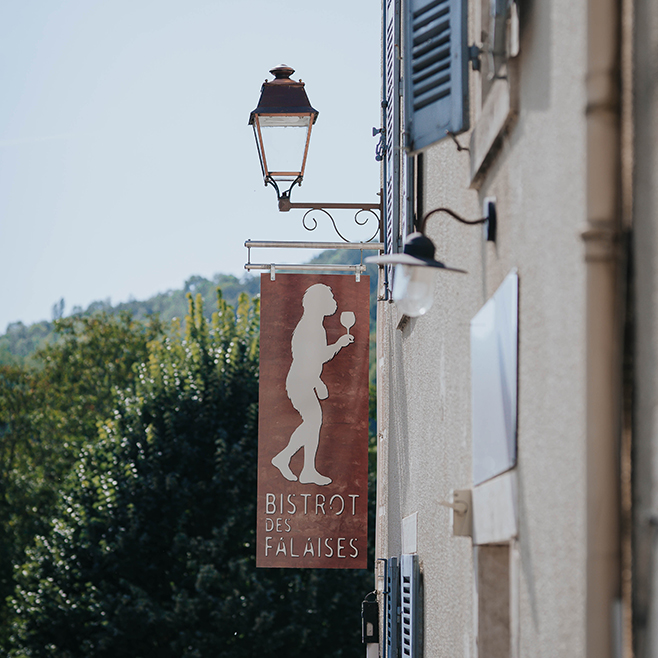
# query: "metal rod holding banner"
306 268
357 270
262 244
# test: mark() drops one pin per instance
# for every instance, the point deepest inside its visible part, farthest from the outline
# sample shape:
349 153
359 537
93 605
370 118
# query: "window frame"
497 111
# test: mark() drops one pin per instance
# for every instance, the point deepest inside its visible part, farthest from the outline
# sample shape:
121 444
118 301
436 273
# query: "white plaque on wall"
494 352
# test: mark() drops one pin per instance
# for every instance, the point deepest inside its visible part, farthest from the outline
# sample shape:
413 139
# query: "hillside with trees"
128 486
20 341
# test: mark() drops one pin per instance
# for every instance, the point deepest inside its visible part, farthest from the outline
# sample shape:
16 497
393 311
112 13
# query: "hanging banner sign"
312 506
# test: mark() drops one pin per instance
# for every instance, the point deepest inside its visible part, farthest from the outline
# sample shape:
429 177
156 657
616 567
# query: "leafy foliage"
173 303
20 342
48 413
150 551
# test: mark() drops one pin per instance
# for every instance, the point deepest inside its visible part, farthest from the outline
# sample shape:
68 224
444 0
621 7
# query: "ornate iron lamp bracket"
364 213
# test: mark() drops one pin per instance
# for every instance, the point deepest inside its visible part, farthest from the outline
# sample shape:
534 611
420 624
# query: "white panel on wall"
494 356
410 533
495 510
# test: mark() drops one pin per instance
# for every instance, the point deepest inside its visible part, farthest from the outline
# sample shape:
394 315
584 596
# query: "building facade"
542 544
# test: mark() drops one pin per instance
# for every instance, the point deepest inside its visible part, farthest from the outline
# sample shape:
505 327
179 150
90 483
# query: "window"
496 91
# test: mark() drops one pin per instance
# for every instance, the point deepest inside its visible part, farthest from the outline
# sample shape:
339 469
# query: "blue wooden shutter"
436 70
410 617
392 609
391 104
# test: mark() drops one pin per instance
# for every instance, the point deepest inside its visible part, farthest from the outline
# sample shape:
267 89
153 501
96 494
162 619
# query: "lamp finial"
282 72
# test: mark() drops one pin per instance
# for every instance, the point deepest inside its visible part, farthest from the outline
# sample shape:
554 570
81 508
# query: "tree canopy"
147 547
47 413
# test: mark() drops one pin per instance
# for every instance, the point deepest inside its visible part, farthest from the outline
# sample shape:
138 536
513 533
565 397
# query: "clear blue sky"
126 161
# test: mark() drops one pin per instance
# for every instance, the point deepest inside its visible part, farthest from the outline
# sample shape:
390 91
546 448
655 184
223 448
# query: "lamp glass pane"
284 120
284 144
413 289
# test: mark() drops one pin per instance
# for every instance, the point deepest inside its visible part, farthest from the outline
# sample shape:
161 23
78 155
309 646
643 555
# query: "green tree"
152 550
48 411
20 342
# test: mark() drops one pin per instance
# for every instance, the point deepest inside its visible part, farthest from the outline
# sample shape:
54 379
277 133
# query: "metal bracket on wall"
380 149
356 269
461 512
364 213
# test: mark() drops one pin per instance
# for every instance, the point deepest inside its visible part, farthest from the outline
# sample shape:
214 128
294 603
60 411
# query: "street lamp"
282 126
413 280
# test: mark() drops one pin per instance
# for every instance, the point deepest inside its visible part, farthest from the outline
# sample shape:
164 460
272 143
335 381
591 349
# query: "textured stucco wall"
538 178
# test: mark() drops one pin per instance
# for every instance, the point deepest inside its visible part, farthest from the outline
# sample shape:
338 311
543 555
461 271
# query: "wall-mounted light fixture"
413 281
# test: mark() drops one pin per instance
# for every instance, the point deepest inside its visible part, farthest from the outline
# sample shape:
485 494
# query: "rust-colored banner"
313 422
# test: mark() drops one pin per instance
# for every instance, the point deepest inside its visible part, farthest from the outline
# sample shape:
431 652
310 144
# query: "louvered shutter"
436 70
391 94
392 609
410 620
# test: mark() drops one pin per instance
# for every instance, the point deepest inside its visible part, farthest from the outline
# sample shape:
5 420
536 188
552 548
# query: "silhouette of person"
303 384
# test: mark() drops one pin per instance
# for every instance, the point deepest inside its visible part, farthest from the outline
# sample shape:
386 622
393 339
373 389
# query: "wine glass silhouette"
347 319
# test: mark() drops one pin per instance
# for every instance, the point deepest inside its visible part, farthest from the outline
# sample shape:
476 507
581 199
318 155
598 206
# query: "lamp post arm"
285 205
489 219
